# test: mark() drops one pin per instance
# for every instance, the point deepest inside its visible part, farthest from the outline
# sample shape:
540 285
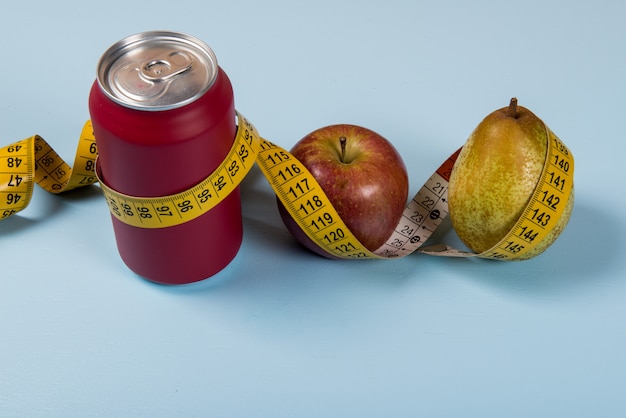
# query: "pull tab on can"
163 69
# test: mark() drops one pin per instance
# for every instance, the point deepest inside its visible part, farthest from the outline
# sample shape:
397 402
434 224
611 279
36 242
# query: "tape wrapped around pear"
495 176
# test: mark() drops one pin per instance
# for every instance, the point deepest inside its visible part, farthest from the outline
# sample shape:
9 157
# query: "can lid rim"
120 48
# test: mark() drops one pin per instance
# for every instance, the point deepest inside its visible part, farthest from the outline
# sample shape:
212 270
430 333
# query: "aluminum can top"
157 70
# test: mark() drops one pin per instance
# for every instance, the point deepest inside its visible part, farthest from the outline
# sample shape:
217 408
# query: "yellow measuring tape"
165 211
33 159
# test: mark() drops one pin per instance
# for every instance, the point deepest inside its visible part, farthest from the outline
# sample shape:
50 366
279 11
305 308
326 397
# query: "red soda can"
163 117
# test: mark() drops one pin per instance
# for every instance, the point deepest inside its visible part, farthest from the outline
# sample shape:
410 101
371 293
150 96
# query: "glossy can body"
156 151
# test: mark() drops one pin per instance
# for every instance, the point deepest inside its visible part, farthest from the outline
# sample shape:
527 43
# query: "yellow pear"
495 176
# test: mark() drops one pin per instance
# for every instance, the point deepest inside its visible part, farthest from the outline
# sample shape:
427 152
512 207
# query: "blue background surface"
281 332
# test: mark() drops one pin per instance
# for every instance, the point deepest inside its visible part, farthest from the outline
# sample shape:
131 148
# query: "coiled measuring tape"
304 199
32 160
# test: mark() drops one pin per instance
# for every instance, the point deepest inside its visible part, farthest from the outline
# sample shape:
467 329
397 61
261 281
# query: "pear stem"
342 142
513 108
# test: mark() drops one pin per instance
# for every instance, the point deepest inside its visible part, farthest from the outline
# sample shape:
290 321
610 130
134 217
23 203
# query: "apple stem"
342 142
513 108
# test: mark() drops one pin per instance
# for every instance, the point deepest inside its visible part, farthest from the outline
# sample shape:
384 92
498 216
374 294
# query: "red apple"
363 176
